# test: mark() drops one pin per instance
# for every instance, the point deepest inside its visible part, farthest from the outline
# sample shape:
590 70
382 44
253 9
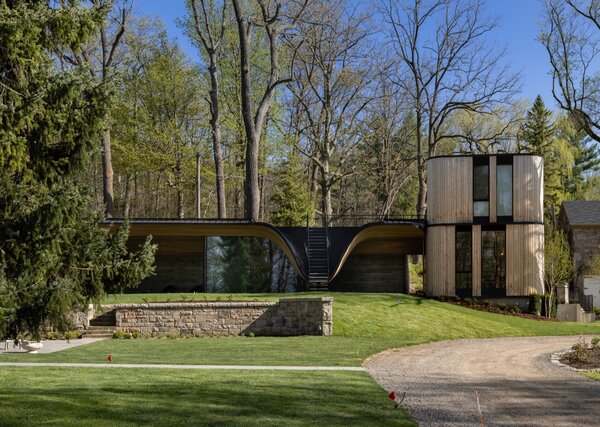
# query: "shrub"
597 311
119 335
487 303
502 306
596 342
535 304
516 309
579 352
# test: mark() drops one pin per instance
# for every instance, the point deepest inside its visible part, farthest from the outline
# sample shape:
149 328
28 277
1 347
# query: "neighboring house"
485 229
580 221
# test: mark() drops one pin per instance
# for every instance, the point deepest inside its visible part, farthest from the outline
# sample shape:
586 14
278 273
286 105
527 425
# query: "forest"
323 109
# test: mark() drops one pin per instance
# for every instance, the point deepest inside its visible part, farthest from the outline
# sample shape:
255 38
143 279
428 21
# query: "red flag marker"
392 395
109 357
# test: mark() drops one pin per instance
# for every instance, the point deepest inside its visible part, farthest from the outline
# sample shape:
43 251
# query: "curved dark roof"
582 212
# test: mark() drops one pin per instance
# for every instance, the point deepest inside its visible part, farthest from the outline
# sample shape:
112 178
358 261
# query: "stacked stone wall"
288 317
585 243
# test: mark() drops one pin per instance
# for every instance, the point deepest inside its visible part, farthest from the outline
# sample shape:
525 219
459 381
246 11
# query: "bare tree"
275 20
330 82
446 67
101 59
209 22
571 38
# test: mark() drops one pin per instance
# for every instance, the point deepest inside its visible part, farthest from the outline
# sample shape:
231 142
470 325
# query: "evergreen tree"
538 130
291 199
53 256
539 135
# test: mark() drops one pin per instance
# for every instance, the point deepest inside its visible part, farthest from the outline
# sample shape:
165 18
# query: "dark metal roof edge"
441 156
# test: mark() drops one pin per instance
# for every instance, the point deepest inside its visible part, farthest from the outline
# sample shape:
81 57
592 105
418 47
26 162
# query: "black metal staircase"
318 259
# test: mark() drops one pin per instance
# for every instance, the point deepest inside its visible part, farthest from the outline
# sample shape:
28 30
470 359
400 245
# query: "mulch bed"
582 358
492 309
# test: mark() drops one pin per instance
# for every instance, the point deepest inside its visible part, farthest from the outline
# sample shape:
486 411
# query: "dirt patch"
583 356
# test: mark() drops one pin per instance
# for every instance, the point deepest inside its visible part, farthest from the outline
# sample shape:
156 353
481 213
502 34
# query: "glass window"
493 263
481 182
481 208
504 190
464 285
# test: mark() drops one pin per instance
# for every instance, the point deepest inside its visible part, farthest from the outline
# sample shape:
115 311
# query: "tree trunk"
198 185
216 138
180 205
127 205
251 189
107 173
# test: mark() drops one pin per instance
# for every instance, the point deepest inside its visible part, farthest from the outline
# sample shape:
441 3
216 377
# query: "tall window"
481 188
464 269
493 261
504 188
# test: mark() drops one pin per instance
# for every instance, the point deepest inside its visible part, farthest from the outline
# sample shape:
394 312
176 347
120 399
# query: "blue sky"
517 31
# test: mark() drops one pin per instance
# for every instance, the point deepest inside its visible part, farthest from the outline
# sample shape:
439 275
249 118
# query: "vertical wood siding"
476 262
528 184
440 266
524 259
450 190
492 184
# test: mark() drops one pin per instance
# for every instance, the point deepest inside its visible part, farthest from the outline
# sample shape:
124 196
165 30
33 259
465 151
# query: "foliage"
592 265
535 303
53 257
558 266
291 201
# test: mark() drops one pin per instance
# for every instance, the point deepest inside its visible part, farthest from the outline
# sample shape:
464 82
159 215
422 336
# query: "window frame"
485 291
506 160
481 160
464 292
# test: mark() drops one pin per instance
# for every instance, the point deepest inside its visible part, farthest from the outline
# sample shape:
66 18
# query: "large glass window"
493 262
464 269
481 193
504 187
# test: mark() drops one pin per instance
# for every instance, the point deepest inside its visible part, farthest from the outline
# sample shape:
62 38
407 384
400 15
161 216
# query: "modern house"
483 237
485 229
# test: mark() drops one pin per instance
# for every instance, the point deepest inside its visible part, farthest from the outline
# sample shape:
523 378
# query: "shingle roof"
581 212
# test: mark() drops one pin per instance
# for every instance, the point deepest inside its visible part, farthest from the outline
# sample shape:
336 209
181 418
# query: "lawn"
364 324
592 375
100 397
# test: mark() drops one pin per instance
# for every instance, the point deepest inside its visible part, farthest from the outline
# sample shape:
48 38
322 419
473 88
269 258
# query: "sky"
517 31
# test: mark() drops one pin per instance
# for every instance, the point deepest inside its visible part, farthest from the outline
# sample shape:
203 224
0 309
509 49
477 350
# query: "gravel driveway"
514 377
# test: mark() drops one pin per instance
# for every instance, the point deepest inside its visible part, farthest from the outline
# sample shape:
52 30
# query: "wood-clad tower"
485 231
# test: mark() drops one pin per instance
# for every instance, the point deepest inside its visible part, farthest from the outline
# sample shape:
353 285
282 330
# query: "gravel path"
514 377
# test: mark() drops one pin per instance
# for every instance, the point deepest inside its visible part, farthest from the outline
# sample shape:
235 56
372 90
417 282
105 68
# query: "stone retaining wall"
288 317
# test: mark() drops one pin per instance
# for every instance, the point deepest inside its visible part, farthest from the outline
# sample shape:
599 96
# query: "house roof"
581 212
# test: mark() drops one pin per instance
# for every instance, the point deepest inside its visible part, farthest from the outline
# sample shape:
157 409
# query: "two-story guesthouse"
485 231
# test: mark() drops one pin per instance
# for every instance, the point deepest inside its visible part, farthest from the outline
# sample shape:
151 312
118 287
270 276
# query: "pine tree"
53 256
539 136
538 129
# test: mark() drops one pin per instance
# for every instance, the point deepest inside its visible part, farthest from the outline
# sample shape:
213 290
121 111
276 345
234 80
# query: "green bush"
579 352
597 311
516 309
595 342
502 306
535 304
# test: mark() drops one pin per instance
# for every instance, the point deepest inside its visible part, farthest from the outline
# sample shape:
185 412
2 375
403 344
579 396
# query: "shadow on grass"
88 397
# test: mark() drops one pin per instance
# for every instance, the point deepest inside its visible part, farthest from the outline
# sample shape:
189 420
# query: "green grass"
100 397
592 375
364 324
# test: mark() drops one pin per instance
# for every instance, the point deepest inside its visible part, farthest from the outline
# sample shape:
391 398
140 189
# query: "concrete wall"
370 273
288 317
